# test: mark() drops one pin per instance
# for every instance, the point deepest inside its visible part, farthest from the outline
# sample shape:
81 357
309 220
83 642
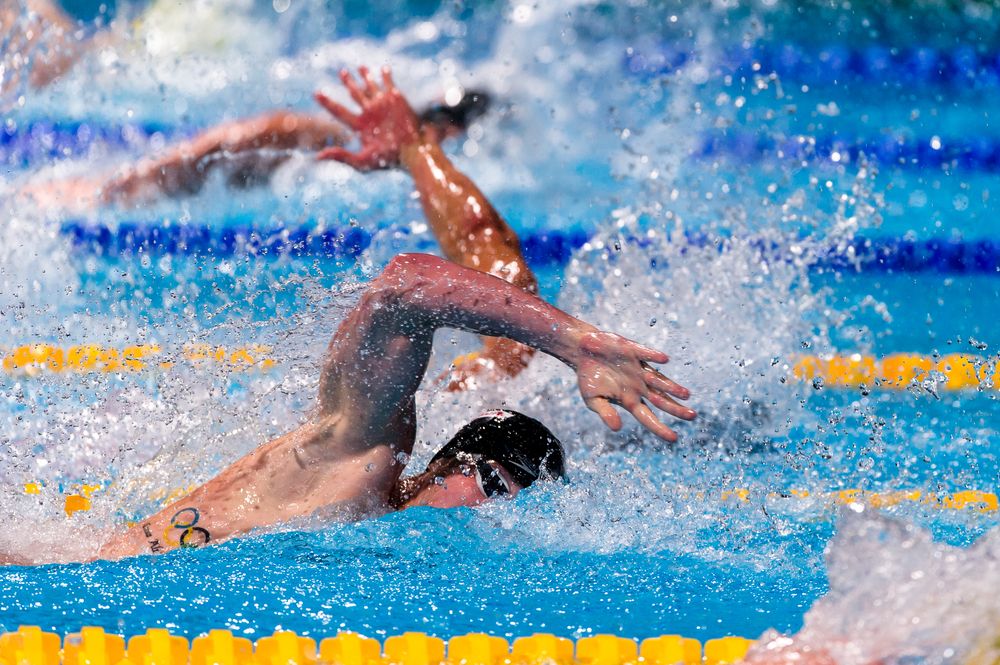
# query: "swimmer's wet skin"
345 463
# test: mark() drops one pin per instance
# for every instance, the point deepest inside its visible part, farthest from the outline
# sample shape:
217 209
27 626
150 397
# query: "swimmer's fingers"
371 88
646 418
664 403
352 87
337 111
387 78
602 407
648 354
658 382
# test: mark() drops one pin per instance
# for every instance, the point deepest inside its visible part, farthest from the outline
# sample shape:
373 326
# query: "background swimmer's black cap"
473 104
522 445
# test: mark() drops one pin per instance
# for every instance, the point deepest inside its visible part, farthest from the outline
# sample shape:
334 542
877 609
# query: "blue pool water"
646 132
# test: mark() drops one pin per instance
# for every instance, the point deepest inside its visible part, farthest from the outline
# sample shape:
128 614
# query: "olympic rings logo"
191 535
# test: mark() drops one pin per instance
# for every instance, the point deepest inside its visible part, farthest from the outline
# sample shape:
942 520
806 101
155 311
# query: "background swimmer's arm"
471 233
466 225
184 168
379 354
45 41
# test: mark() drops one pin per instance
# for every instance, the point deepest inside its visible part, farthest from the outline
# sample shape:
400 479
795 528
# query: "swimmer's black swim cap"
473 104
521 445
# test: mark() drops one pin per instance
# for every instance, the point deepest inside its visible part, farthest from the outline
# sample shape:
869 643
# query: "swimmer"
345 462
347 459
247 151
42 41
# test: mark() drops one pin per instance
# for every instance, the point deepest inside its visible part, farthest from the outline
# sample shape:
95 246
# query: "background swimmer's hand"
385 125
614 370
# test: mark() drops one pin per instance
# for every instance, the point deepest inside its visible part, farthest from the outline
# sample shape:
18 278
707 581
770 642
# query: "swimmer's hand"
385 125
611 369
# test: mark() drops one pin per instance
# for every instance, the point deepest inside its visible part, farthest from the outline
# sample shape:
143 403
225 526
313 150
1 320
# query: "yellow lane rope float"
953 372
36 359
31 646
79 497
898 371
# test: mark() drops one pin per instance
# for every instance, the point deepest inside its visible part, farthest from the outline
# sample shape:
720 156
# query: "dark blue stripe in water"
41 142
962 65
545 248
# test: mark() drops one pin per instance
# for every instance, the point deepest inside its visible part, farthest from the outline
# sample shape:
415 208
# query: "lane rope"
79 497
901 371
31 646
964 65
25 144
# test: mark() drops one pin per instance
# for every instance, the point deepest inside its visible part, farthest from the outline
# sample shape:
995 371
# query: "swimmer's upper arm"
379 354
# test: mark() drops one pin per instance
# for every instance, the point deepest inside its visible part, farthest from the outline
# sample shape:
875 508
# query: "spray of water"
578 144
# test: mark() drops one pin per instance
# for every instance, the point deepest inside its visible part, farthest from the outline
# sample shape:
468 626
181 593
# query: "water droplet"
370 467
652 322
818 383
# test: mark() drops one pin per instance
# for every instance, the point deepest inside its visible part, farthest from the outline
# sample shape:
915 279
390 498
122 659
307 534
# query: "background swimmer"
247 151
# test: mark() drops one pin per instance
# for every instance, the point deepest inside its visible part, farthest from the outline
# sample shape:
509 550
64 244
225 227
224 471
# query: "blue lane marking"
963 65
40 142
979 153
540 249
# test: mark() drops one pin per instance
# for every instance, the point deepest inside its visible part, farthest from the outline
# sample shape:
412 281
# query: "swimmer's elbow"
405 271
408 278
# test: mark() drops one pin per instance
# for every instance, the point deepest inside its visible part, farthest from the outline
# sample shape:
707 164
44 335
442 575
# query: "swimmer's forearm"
456 208
437 293
469 229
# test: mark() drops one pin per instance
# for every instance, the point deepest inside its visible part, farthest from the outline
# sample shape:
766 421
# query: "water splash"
896 595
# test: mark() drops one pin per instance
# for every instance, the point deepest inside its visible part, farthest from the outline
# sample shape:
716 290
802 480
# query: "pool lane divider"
964 65
30 360
80 497
886 254
901 371
93 646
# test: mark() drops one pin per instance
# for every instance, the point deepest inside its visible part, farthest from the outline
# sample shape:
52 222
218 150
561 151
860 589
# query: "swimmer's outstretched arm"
468 228
184 168
347 453
379 354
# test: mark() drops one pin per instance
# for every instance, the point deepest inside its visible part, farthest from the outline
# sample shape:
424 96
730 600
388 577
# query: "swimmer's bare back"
345 456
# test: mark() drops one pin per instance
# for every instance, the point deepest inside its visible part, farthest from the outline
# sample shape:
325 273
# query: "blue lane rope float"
962 65
29 143
193 239
32 646
554 247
